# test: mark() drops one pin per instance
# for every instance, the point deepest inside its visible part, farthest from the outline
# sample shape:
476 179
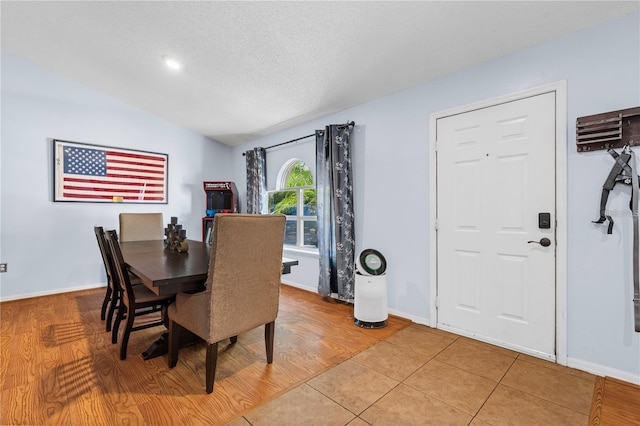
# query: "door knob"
544 242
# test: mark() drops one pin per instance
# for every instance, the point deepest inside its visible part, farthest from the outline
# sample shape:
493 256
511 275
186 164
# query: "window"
295 197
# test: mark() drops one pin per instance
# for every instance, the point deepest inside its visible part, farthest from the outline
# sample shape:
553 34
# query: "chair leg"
113 305
212 360
269 333
164 314
125 336
174 342
105 302
116 325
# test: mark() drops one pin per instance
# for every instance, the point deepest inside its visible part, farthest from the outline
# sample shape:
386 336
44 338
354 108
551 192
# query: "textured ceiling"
253 68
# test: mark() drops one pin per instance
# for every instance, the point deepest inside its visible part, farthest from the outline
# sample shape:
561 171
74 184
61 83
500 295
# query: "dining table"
167 272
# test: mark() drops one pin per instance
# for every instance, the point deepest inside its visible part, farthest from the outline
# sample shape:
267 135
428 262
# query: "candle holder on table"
175 237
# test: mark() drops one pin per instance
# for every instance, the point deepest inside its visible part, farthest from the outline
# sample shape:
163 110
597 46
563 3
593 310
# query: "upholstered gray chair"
141 226
242 288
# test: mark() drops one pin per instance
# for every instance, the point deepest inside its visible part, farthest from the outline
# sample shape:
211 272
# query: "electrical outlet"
3 267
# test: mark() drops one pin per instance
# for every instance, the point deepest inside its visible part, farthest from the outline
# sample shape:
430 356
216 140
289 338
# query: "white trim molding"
604 371
52 292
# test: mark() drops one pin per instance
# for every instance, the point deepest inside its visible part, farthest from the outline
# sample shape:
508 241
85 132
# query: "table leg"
157 348
161 346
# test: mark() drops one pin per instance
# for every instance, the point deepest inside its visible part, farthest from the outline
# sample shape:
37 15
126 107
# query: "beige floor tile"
476 359
557 367
358 422
552 385
418 338
391 360
442 333
476 422
239 422
507 406
453 386
489 346
407 406
353 386
446 379
300 406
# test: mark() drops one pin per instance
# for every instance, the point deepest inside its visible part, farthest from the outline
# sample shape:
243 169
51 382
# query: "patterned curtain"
256 180
336 239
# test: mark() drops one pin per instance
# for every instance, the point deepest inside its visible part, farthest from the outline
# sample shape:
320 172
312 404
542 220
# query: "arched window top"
295 197
294 174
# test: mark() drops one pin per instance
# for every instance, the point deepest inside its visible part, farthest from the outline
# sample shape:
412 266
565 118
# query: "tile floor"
424 376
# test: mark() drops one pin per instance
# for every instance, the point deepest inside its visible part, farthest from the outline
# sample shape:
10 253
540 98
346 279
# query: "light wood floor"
615 403
58 366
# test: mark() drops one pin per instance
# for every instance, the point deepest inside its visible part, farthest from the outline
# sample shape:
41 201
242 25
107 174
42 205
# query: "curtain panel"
336 237
256 180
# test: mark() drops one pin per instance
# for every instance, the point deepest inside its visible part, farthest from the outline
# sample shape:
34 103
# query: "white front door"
495 175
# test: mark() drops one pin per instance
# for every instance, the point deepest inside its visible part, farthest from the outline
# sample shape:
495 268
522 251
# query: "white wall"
391 151
50 247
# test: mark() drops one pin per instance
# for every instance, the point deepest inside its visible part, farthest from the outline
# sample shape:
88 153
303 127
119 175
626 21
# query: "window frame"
299 218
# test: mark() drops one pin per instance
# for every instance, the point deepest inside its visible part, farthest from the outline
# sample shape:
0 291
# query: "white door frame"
560 89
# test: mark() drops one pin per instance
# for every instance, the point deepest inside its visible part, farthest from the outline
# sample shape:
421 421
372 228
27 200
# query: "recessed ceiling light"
172 63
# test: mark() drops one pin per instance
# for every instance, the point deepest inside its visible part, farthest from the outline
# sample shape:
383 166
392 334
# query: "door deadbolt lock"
544 242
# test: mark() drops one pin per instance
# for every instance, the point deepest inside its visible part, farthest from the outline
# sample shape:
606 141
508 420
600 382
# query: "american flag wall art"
93 173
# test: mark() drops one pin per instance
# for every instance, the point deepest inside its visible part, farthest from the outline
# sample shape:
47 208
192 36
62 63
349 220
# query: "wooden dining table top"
168 272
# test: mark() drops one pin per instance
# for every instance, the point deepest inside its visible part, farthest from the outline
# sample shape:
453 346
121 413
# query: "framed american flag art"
94 173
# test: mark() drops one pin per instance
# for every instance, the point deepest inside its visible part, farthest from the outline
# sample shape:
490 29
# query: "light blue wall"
50 247
391 156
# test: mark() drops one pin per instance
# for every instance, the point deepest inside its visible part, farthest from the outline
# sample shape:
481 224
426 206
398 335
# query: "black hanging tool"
620 172
635 194
625 173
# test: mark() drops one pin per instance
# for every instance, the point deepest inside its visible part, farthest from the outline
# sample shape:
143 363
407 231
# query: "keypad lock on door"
544 220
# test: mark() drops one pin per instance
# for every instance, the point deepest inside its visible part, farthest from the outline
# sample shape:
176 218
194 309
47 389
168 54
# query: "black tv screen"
220 200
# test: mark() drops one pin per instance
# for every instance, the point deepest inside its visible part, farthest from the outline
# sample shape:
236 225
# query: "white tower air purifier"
370 292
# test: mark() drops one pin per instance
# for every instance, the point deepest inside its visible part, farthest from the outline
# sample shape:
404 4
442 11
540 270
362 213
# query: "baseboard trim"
602 370
412 318
51 292
298 285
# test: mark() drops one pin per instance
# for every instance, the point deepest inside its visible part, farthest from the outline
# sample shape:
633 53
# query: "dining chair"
141 226
136 300
242 287
112 294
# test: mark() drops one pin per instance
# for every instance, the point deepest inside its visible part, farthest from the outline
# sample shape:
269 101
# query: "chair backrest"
141 226
106 256
244 272
121 276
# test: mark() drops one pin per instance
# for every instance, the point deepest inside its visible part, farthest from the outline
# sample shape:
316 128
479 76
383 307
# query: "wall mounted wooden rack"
613 129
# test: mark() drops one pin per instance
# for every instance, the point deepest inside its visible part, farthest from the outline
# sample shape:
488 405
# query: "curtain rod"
284 143
351 123
292 140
